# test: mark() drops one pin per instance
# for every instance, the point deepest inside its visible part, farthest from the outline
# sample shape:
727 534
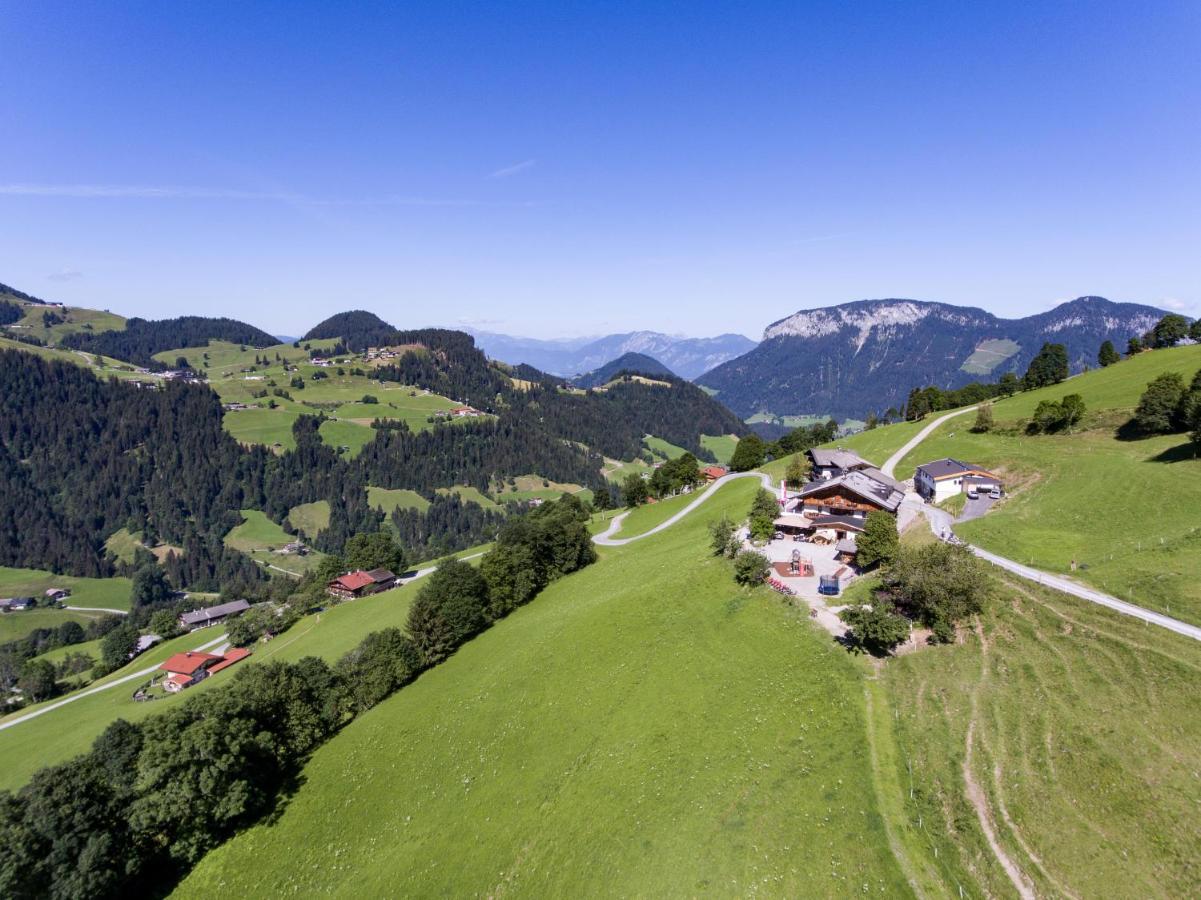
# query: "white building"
945 478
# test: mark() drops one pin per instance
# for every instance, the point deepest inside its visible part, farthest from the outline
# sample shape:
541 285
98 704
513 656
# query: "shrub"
1159 408
877 627
722 540
984 418
763 516
750 568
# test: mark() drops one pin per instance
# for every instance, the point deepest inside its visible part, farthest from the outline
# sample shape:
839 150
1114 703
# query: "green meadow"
311 517
661 448
110 593
643 727
257 532
643 518
14 625
1086 744
721 446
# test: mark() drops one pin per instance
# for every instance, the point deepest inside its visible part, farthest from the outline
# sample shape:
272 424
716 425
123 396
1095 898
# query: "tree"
370 399
374 551
750 568
877 627
602 500
1194 331
763 516
798 470
37 680
1108 355
164 623
458 593
1170 330
984 418
748 454
721 535
1134 346
1072 410
381 664
71 633
1047 417
329 568
879 541
1159 407
118 646
634 490
150 587
1049 366
937 584
1009 384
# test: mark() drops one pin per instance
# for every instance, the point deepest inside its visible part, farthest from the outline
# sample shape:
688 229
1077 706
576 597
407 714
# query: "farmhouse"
185 669
465 412
945 478
16 604
855 493
202 618
712 473
58 594
360 584
828 464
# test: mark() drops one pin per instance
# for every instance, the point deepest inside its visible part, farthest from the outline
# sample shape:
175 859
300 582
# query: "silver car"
995 493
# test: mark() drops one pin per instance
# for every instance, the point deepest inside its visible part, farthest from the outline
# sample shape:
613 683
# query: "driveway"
974 509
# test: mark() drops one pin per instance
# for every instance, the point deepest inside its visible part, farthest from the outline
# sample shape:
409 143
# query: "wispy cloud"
65 275
175 192
1175 304
523 166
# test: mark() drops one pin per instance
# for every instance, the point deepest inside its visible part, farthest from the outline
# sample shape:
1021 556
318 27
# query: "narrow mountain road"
133 676
103 609
606 539
941 524
889 468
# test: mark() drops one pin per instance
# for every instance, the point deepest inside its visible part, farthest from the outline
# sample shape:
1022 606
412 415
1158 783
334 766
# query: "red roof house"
360 583
185 669
237 654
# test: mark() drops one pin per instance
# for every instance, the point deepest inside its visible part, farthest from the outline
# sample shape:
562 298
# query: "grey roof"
947 468
838 458
846 546
212 613
886 495
378 575
876 475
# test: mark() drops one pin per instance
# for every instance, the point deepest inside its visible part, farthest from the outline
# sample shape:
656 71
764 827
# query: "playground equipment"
828 585
800 566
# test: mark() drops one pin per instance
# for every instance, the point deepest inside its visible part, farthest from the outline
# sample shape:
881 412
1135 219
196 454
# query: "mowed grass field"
110 593
643 727
311 517
1086 749
256 532
16 625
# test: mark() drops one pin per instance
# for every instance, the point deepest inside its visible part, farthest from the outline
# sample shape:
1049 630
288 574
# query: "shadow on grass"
1180 453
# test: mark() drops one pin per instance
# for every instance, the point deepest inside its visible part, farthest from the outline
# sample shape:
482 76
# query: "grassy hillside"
18 624
312 517
721 446
643 723
1086 748
1125 511
110 593
69 731
75 319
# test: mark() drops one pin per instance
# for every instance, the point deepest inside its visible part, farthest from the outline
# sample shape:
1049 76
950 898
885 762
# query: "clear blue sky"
546 170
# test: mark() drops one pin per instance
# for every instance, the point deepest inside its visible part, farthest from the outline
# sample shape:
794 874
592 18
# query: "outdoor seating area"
801 567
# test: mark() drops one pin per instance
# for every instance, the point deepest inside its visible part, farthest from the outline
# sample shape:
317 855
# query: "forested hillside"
141 339
81 458
628 363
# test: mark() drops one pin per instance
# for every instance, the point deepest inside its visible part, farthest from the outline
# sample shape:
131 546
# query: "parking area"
974 509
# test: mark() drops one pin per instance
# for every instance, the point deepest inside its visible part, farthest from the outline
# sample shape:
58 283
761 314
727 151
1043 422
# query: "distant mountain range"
862 357
687 357
633 363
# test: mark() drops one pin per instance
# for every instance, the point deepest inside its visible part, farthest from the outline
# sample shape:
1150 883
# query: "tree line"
150 799
141 339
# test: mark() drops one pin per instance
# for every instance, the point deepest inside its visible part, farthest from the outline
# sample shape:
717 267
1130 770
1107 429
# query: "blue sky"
545 170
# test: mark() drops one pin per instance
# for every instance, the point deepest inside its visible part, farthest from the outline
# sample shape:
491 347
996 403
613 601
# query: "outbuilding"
947 477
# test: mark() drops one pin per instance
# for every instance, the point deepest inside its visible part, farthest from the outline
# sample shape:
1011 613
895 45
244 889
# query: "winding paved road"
606 539
941 524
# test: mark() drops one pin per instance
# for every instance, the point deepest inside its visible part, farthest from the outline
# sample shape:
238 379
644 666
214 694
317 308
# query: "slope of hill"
642 719
688 357
863 357
141 339
630 363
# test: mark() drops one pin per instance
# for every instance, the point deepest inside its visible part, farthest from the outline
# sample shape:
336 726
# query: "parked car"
995 493
972 493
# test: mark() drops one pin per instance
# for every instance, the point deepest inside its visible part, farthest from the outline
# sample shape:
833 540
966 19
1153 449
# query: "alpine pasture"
644 726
